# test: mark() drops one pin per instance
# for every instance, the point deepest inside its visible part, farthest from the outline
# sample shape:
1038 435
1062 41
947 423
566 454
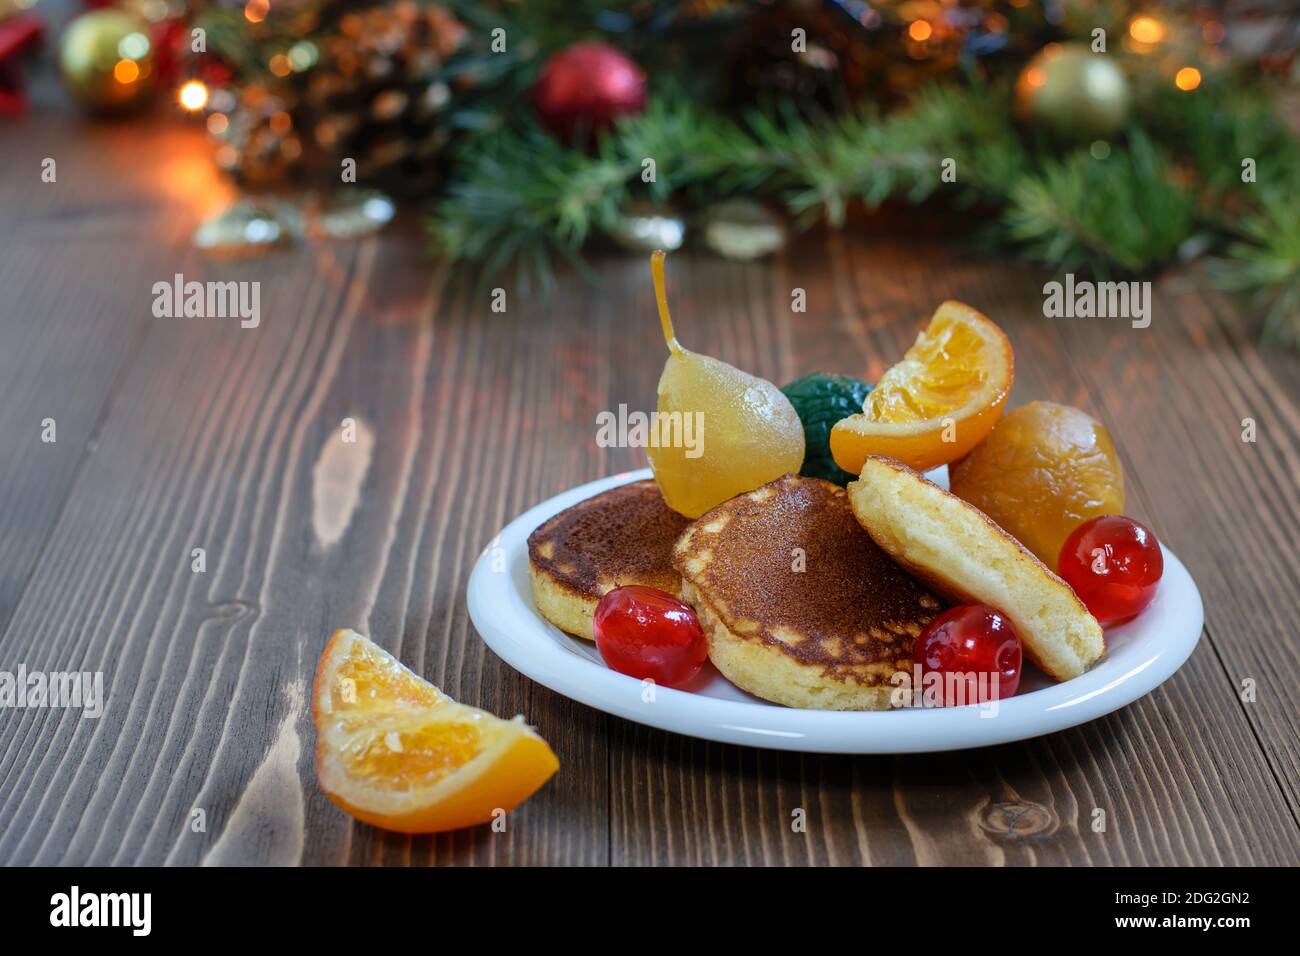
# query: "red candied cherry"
1114 564
975 649
644 632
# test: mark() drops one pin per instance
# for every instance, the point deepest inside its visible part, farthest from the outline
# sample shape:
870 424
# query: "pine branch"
515 196
1229 119
1264 264
861 157
1121 213
527 200
1247 165
519 194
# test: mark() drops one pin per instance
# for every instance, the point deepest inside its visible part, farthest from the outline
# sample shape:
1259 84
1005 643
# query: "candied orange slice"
396 752
939 401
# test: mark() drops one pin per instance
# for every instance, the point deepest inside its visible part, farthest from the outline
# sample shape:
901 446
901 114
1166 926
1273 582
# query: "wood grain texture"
69 252
183 434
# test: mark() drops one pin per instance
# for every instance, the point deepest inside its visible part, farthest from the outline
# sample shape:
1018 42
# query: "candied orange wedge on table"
939 401
395 752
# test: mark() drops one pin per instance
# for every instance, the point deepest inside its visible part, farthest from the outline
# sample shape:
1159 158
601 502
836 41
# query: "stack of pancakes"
811 596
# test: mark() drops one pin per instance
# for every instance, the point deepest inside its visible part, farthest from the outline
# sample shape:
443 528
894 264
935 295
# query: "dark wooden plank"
55 335
77 258
216 439
1179 774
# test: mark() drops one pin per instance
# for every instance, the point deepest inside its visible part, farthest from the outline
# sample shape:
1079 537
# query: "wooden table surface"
176 434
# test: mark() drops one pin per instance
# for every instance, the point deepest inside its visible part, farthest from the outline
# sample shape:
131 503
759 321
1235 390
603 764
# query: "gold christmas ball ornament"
1073 92
106 59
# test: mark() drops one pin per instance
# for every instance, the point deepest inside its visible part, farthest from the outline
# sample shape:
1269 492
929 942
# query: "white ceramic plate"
1140 656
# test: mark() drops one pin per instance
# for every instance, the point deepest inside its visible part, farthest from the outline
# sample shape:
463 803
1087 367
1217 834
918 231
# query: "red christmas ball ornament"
584 87
20 34
170 39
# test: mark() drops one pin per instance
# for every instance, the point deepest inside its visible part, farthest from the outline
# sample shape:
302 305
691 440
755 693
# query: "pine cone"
360 84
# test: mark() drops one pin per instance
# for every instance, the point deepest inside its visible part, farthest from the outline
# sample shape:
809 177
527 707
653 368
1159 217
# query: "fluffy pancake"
962 554
621 536
799 605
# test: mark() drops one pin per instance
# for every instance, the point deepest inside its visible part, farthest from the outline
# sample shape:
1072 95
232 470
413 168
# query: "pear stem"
661 298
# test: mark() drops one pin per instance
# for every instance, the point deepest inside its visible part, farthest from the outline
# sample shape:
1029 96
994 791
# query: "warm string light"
131 49
1146 30
126 71
193 95
1187 79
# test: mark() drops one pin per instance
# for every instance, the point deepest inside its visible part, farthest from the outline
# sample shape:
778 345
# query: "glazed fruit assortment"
1032 522
799 552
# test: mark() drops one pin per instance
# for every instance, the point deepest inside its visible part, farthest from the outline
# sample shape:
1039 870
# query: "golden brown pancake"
799 605
621 536
961 553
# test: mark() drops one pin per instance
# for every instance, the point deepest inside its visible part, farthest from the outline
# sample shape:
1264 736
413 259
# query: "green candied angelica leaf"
822 400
